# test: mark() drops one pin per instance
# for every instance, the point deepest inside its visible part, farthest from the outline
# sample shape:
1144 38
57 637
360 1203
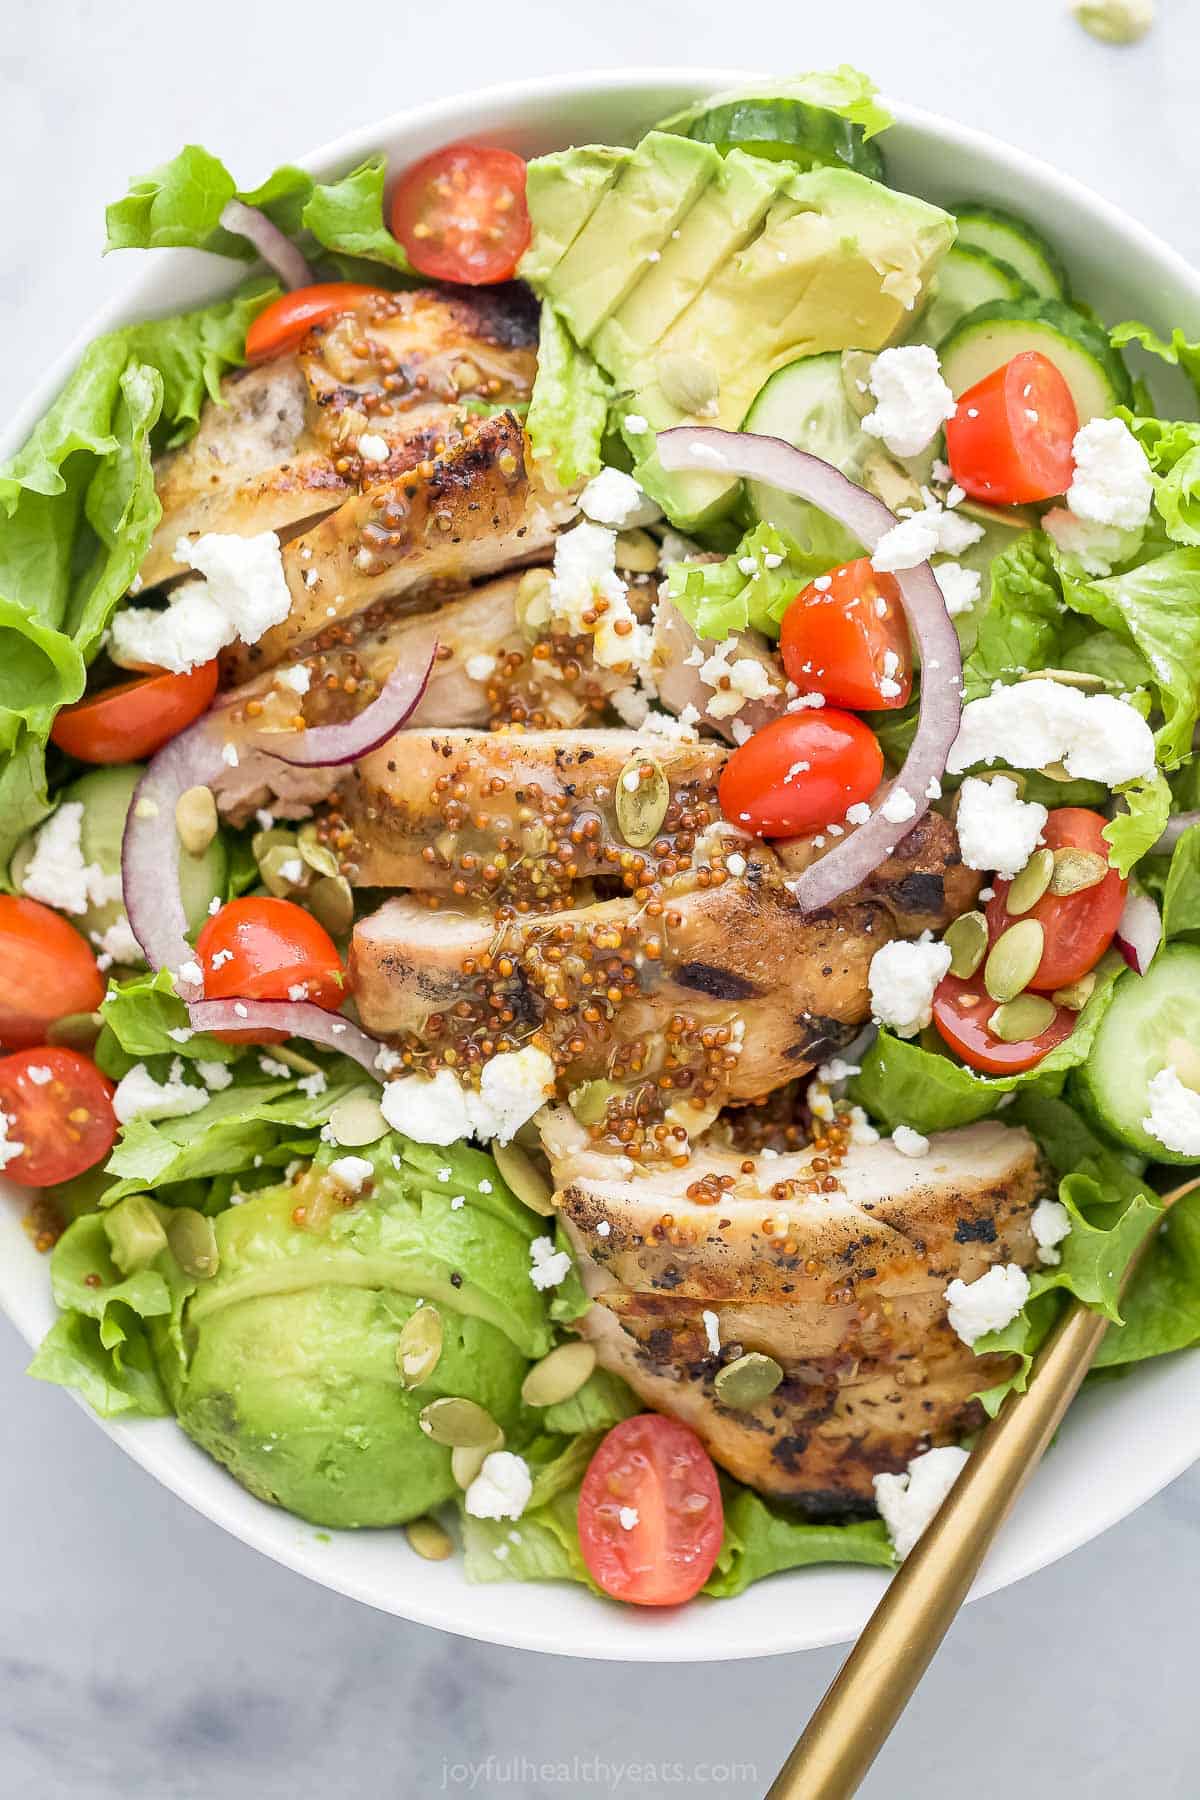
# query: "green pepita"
1030 883
466 1462
331 903
271 839
429 1539
1076 997
76 1031
1056 771
196 819
317 855
589 1101
558 1375
1013 775
419 1347
193 1243
747 1380
1013 960
358 1119
643 796
688 381
967 938
283 870
522 1175
889 482
636 553
1025 1017
458 1424
532 605
856 377
1076 678
1075 870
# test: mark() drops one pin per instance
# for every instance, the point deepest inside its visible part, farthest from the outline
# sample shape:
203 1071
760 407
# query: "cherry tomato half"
58 1107
461 214
1078 927
961 1010
283 324
800 772
134 719
650 1514
260 948
1010 439
846 637
46 972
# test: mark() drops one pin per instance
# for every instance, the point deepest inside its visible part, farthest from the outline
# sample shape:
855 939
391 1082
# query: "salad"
601 843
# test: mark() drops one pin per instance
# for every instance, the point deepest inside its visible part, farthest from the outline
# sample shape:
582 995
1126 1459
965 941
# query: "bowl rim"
236 1511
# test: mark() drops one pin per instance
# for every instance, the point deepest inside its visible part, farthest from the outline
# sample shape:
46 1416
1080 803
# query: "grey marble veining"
144 1653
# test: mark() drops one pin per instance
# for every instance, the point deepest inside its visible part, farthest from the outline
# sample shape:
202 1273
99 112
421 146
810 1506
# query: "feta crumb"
244 592
987 1304
1174 1116
214 906
512 1087
920 535
215 1075
372 447
550 1266
458 1202
911 399
191 972
480 666
603 1228
57 875
960 587
313 1085
1050 1223
9 1147
898 806
502 1488
139 1096
229 755
859 813
350 1172
736 864
298 678
292 870
712 1331
628 1517
635 422
296 992
180 1034
119 943
861 1129
614 498
1031 723
430 1110
271 1065
907 1503
1112 484
997 830
584 571
1099 548
38 1074
902 979
909 1142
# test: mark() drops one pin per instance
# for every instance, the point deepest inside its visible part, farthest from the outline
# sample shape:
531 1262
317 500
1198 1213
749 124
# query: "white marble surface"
142 1652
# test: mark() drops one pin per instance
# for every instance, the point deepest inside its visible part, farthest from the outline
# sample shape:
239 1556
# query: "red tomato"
283 324
660 1475
848 639
1011 437
258 949
58 1107
1078 927
961 1010
46 971
461 214
800 772
135 718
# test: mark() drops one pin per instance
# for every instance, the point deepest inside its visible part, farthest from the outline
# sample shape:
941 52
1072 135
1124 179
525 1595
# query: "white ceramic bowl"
1123 1441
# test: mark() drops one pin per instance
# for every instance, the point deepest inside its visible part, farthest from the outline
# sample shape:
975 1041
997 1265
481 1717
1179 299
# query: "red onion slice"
1139 930
299 1018
781 465
328 746
274 246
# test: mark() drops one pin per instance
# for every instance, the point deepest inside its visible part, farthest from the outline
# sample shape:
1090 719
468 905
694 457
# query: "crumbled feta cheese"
837 1070
603 1228
297 992
292 870
1112 483
659 728
351 1172
858 814
428 1110
912 401
298 678
56 873
372 447
909 1142
9 1147
1099 548
902 979
630 705
987 1304
861 1129
139 1096
271 1065
512 1087
628 1517
119 943
747 678
736 864
1031 723
501 1489
215 1075
313 1085
584 572
229 755
635 422
614 498
898 806
960 587
550 1266
458 1202
997 830
1050 1223
920 535
244 592
1174 1116
907 1503
712 1331
480 666
38 1074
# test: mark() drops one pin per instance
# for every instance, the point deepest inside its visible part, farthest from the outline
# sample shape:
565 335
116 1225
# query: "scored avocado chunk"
563 191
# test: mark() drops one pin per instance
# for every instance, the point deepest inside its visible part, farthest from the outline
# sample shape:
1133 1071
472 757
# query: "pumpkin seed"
1025 1017
270 839
458 1424
636 553
1030 883
589 1101
331 903
283 870
317 855
688 381
558 1375
1056 771
1087 684
75 1031
196 819
1077 995
193 1243
643 796
532 605
1075 870
889 482
747 1380
692 1119
358 1119
303 1065
522 1175
1013 775
1013 960
429 1539
419 1347
466 1462
967 937
856 377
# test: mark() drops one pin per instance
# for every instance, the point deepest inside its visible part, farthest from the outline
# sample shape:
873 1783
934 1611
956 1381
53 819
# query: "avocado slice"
629 225
563 191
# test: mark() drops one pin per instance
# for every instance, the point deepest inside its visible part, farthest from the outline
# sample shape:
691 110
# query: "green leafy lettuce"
568 408
718 598
1181 895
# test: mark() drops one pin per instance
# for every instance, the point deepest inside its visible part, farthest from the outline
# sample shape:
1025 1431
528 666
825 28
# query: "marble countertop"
142 1651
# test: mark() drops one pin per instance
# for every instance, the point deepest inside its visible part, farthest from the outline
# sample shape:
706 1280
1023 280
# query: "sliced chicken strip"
281 444
468 513
834 1262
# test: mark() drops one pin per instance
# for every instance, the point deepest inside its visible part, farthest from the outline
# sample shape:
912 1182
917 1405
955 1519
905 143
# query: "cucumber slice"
807 404
1153 1021
1003 235
1079 350
788 131
966 280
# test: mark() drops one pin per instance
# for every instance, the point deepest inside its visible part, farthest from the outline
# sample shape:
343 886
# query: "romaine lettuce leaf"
762 1540
718 598
1176 350
1129 835
1181 896
1022 625
568 408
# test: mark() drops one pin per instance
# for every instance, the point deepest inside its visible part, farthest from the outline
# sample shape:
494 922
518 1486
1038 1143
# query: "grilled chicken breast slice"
835 1267
281 445
677 657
